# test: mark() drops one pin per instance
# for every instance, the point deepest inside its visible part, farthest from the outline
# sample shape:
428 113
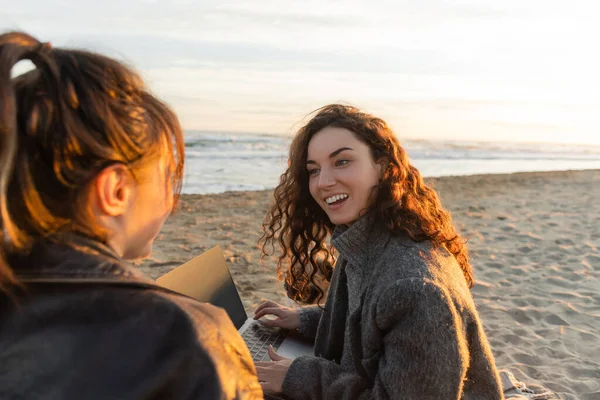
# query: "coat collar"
72 255
360 242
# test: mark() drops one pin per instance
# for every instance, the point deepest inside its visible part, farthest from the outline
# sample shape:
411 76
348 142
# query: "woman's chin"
341 219
138 254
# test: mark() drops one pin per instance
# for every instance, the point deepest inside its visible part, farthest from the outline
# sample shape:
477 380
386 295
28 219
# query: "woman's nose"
326 179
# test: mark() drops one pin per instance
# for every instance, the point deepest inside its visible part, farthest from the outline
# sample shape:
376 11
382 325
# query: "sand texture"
535 240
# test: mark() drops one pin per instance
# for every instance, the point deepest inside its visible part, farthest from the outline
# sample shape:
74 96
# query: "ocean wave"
191 154
218 163
214 140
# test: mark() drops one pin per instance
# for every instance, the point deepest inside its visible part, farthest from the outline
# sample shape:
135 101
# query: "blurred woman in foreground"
91 165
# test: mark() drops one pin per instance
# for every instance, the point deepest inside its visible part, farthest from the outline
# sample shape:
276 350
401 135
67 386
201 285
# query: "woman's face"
342 174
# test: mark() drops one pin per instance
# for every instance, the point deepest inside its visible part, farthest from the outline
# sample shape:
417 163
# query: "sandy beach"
534 242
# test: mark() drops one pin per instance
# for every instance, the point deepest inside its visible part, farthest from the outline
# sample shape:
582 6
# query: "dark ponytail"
60 125
13 48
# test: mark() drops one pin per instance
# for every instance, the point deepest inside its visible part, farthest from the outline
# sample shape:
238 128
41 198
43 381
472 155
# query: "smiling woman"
399 320
344 152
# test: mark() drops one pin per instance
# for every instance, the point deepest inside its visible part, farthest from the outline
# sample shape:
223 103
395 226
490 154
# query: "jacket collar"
359 242
72 255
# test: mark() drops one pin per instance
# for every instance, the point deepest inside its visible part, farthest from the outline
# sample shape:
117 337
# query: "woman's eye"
339 163
313 172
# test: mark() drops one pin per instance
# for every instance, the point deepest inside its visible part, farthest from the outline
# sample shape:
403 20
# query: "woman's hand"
272 373
288 318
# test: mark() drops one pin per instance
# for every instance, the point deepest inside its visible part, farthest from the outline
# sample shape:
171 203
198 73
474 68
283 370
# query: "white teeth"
335 198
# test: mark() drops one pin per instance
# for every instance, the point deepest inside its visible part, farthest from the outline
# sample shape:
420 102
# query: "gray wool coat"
399 322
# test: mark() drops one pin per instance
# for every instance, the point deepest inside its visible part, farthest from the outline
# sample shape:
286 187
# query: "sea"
222 162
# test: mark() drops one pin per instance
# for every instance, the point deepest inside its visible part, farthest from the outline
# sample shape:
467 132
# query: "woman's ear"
114 190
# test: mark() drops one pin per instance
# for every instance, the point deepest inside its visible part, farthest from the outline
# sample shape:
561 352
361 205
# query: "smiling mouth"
336 200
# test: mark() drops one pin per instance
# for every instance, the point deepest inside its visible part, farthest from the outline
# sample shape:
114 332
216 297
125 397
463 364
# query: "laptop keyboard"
258 338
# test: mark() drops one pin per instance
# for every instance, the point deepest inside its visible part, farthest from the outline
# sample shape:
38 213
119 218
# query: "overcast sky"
522 70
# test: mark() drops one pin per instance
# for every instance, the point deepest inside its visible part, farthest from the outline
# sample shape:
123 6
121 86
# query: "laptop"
206 278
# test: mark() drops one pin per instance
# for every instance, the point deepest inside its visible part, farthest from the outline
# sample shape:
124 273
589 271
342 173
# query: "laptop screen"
206 278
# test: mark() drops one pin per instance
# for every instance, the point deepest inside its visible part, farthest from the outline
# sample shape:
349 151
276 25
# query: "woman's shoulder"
189 321
403 257
135 338
167 304
418 268
209 330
